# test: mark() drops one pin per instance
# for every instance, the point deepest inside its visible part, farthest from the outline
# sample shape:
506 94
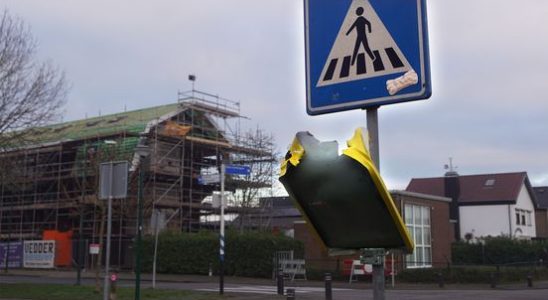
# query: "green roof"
130 122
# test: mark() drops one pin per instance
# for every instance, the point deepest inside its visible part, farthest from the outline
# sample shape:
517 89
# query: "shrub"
499 251
473 274
247 254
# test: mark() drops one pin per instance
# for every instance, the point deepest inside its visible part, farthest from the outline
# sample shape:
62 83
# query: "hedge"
247 254
499 251
473 274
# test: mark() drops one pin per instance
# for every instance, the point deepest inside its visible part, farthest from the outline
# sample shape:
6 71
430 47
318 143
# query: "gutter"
509 222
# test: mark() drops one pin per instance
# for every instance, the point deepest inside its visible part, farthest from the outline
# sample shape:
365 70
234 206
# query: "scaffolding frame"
50 186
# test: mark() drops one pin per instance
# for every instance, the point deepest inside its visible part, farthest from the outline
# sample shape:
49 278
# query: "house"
428 223
485 204
276 213
541 211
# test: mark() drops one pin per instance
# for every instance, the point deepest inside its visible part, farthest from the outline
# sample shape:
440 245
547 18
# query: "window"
523 217
490 182
417 220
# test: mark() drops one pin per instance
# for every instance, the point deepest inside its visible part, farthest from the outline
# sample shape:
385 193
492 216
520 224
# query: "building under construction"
51 183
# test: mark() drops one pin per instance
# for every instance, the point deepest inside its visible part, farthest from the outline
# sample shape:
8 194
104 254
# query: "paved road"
307 290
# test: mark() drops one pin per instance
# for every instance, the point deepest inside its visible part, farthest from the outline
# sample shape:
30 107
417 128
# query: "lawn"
71 292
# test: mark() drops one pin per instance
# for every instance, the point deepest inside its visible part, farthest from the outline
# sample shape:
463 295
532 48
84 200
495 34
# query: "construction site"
49 185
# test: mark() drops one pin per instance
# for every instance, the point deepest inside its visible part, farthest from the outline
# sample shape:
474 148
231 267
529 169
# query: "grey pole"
373 130
107 254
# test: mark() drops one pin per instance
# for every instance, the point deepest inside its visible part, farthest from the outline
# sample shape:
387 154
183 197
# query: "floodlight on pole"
192 78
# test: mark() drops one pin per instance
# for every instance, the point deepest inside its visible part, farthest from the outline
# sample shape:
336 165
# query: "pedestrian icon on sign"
362 49
360 25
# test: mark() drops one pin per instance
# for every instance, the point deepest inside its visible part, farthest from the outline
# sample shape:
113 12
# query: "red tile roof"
476 189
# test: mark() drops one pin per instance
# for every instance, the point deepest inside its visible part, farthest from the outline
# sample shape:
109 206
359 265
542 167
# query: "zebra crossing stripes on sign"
363 48
363 53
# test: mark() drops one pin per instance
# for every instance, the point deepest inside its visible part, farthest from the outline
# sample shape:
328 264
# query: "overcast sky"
489 63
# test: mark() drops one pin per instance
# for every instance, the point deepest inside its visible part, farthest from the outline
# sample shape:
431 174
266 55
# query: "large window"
417 220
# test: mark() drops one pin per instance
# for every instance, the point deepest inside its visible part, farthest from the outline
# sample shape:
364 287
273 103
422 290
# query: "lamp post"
143 151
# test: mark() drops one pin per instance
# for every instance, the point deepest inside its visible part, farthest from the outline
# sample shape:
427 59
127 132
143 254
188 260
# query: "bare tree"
31 92
263 171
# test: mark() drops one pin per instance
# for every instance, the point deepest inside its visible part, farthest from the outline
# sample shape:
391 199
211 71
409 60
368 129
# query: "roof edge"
487 203
420 195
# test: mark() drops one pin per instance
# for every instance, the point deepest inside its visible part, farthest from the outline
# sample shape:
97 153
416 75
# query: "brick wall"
442 230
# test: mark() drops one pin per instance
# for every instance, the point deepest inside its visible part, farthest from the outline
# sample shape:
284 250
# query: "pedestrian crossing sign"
365 53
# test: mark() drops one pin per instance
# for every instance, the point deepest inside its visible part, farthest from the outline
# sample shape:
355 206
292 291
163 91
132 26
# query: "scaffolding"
52 183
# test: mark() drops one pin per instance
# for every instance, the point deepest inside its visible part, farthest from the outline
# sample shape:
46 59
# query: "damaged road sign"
342 197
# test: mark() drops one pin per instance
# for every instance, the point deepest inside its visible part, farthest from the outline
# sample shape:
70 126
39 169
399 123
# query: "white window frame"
422 226
523 217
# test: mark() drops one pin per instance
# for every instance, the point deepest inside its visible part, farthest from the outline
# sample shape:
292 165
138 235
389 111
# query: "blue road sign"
237 170
365 53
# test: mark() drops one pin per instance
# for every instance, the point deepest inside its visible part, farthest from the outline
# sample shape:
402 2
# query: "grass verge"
70 292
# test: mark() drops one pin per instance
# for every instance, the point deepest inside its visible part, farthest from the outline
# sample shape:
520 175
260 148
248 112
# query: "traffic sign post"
112 185
365 53
231 170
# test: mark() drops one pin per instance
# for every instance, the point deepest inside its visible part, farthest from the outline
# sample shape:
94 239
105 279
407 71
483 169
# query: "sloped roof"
131 122
476 189
541 193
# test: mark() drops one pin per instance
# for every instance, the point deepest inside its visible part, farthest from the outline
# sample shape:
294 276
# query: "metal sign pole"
111 187
373 129
107 254
222 233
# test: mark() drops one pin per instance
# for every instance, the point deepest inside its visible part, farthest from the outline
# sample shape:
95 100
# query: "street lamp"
143 151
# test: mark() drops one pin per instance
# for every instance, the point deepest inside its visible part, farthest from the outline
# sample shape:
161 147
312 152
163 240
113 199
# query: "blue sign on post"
237 170
365 53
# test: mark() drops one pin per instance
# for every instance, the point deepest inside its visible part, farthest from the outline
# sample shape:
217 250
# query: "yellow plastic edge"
297 151
358 151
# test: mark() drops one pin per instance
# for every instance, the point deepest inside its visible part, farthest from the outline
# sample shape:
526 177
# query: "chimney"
452 190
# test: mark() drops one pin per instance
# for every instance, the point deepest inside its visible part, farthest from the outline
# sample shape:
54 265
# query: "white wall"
495 220
484 220
524 202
